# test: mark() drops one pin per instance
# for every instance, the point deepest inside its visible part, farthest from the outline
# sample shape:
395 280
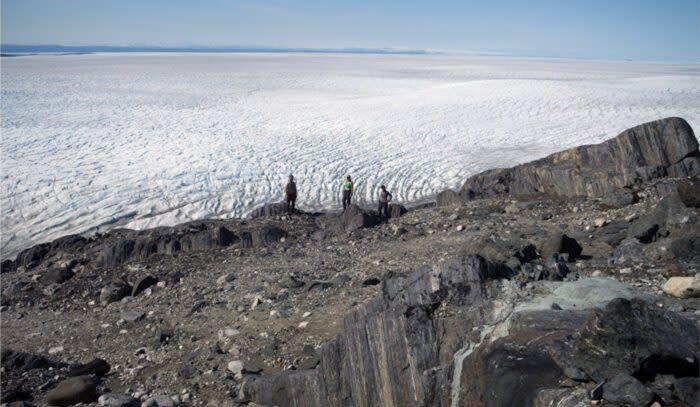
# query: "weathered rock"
114 291
618 198
510 252
79 389
636 339
666 147
273 209
188 371
56 276
392 338
670 216
25 361
290 281
142 284
683 287
117 400
97 367
561 243
625 389
189 237
449 197
354 218
687 390
396 210
132 315
159 400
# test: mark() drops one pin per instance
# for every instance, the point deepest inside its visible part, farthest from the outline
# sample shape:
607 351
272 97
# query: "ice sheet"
90 142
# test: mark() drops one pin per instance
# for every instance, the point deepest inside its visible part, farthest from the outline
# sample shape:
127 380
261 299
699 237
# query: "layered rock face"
657 149
463 334
391 352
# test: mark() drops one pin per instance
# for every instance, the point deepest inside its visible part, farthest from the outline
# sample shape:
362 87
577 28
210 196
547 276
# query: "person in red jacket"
290 190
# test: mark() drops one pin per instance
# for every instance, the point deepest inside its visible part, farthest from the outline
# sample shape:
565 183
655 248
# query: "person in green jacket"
348 187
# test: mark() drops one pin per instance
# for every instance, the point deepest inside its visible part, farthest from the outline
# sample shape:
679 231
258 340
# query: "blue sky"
605 29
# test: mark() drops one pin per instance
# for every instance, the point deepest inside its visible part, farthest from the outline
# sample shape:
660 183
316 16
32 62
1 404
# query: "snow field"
90 142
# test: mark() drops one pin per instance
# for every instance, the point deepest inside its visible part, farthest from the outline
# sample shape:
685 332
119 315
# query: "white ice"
140 140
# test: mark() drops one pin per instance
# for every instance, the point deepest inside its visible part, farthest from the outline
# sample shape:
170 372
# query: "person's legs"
294 201
346 199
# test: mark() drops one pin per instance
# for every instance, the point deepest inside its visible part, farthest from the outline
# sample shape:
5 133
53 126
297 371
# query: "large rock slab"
389 352
661 148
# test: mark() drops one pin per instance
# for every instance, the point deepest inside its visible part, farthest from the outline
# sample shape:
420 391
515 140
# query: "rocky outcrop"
661 148
195 236
462 334
267 210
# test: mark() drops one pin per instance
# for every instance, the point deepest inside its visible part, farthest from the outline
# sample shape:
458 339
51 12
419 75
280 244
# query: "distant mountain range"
9 49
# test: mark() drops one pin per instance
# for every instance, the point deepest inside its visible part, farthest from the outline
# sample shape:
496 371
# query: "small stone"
236 367
188 371
55 350
159 400
303 324
460 228
306 314
117 400
683 287
626 270
596 273
132 316
600 222
227 333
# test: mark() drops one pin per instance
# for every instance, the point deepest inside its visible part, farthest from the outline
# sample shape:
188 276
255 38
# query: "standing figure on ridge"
348 187
290 190
384 198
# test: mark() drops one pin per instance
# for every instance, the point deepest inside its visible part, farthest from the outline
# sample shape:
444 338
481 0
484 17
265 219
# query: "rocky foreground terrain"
570 281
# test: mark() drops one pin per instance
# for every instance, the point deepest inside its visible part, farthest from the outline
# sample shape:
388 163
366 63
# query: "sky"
598 29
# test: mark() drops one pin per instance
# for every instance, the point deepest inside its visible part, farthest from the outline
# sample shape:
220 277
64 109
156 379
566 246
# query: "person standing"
384 198
348 187
290 190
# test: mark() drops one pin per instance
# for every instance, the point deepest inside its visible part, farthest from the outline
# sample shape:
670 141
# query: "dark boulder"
267 235
618 198
448 197
114 291
142 284
637 339
561 243
97 367
25 361
7 266
273 209
687 390
79 389
354 218
625 389
671 216
56 276
396 210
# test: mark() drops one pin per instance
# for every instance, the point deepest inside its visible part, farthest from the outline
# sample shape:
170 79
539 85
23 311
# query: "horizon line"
6 50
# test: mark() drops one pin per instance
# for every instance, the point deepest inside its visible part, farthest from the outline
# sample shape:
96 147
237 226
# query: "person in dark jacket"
290 190
348 187
384 198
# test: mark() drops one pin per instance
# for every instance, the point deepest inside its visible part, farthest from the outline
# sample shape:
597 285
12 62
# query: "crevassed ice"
140 140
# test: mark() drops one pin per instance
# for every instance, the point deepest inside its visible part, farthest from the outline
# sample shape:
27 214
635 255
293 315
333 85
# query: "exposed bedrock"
463 334
657 149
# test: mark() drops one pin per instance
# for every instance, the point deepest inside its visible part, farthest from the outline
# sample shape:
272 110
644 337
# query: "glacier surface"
92 142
